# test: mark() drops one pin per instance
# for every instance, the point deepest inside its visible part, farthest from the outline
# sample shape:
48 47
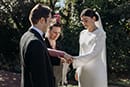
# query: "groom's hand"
69 61
68 58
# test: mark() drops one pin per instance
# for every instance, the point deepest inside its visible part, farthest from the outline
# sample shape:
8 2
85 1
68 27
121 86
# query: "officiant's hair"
90 13
57 24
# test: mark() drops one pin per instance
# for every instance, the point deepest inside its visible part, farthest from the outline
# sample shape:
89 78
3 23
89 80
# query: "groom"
36 66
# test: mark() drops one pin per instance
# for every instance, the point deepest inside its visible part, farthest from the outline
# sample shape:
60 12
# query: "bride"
91 62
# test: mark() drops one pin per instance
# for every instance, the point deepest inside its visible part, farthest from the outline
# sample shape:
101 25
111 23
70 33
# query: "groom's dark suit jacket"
36 65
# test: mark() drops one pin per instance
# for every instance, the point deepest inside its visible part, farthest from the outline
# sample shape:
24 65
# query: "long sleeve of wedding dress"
88 53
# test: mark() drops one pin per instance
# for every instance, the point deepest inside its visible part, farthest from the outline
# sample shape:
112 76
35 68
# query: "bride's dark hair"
89 12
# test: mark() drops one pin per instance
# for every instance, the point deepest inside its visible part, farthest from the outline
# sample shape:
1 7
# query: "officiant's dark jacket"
54 60
36 65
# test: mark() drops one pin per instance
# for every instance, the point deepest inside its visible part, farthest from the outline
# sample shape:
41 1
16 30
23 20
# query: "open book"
56 53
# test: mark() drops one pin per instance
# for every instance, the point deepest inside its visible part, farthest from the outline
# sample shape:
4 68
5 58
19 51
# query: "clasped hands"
68 58
61 54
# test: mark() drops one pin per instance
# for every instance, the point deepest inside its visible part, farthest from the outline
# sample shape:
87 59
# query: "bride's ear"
94 18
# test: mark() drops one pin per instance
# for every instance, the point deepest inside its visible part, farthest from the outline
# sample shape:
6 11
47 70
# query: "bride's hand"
76 76
67 56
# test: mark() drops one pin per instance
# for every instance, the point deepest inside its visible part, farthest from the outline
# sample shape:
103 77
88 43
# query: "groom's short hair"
39 11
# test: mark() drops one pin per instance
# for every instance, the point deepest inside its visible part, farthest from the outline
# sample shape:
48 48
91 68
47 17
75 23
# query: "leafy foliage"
13 23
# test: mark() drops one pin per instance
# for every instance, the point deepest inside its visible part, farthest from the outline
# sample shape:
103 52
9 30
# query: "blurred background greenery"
115 15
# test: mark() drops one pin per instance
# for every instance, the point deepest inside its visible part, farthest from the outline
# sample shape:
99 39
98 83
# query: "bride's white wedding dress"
91 62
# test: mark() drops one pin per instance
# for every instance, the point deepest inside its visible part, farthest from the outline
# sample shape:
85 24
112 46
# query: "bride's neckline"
93 30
